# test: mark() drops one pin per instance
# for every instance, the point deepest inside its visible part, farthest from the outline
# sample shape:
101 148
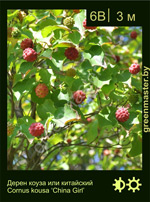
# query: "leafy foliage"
101 144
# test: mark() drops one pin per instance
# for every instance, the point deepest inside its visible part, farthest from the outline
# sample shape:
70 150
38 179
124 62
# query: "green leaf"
124 76
104 100
10 59
103 120
63 115
26 120
77 84
17 78
108 87
97 82
45 109
46 53
112 116
95 50
45 76
59 54
86 65
98 60
140 117
116 97
63 44
87 55
106 74
136 146
67 66
57 99
29 73
75 37
24 86
92 132
48 30
94 41
12 15
59 113
28 33
52 65
45 22
136 83
69 112
63 96
24 128
39 13
68 80
56 139
28 19
25 66
57 12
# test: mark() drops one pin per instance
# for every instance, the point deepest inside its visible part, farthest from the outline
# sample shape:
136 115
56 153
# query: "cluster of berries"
29 54
36 129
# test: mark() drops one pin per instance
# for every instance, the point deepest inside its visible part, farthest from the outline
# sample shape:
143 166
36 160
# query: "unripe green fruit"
10 128
16 33
69 22
133 98
71 72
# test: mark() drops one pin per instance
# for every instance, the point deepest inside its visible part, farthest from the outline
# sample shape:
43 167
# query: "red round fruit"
41 90
71 53
79 96
134 68
69 141
133 34
87 27
89 119
36 129
29 55
106 152
122 114
26 43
